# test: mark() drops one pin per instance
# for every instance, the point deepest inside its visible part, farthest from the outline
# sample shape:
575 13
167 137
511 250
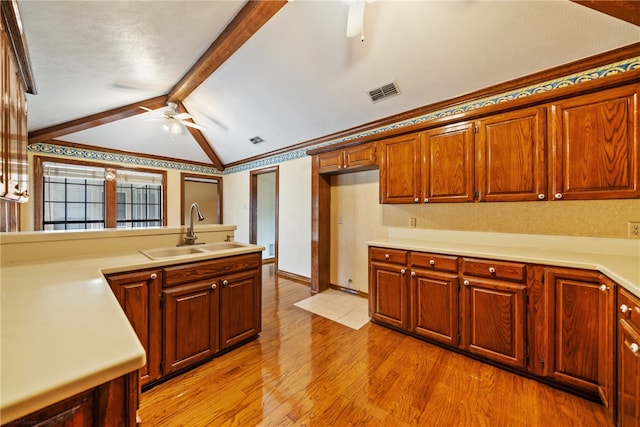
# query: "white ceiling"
299 77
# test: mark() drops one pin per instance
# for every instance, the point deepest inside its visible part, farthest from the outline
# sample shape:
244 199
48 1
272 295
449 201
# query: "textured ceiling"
299 77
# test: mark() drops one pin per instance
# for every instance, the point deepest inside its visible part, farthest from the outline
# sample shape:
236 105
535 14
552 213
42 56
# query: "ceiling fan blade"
193 125
182 116
355 19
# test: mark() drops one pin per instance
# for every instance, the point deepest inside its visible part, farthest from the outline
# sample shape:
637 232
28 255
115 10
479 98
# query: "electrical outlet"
634 229
412 222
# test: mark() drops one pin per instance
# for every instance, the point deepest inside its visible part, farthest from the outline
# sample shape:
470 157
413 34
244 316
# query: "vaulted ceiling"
283 71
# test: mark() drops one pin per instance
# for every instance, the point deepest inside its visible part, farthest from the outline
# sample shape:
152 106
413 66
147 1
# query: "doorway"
204 190
263 230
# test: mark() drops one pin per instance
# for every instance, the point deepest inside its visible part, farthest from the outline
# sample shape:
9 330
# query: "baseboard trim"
349 290
294 277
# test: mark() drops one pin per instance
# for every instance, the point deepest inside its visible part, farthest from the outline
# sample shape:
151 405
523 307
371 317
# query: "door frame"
253 208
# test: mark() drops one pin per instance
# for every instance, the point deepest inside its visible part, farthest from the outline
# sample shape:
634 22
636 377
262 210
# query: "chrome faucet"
190 238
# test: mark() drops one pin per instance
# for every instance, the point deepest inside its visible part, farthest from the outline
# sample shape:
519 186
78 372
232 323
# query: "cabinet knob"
214 286
426 200
558 196
413 274
225 283
492 270
541 196
386 256
624 308
416 200
634 347
153 276
604 288
402 271
466 283
432 262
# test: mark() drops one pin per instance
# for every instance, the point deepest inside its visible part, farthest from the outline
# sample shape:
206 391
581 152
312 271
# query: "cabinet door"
240 307
435 305
400 169
390 294
606 349
595 143
574 345
190 320
139 296
511 163
447 164
330 162
628 375
493 320
360 156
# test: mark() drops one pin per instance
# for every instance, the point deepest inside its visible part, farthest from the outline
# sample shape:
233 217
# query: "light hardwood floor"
305 370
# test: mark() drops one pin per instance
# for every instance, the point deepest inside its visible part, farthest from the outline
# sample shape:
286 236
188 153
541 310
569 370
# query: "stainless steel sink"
183 251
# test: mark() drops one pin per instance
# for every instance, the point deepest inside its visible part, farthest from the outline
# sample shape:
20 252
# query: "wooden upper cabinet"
447 164
400 169
594 142
350 159
510 153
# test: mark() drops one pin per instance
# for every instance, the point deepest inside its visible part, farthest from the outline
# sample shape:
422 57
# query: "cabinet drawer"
434 261
513 271
396 256
206 269
629 308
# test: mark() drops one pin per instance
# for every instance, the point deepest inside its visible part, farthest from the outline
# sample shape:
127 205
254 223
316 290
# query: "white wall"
294 228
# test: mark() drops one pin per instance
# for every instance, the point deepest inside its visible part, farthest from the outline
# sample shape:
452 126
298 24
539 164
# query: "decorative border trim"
573 79
80 153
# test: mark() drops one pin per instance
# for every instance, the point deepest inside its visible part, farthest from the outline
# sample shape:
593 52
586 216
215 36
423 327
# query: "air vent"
256 140
384 92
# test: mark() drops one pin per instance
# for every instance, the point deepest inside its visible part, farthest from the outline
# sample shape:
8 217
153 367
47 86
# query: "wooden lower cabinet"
578 312
114 403
493 320
628 363
557 324
138 293
187 313
240 302
190 324
391 295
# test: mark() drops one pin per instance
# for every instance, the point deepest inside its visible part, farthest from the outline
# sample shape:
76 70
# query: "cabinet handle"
466 283
432 262
604 288
492 270
386 256
214 286
634 347
402 271
541 196
413 274
558 196
624 308
416 200
153 276
224 283
426 200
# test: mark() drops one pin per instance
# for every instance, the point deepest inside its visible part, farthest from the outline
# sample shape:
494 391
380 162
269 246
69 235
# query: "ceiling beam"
45 134
628 11
245 24
202 141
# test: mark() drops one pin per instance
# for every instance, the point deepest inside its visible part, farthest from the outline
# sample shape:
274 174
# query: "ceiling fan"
173 121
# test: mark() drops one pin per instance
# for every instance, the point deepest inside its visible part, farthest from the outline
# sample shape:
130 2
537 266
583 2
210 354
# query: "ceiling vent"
256 140
385 91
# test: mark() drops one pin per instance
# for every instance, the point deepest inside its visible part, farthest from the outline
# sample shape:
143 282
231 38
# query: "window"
81 196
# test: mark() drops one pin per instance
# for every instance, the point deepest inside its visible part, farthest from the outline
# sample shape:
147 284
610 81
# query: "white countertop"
64 332
619 259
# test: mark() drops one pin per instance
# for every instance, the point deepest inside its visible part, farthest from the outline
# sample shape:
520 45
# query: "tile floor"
342 307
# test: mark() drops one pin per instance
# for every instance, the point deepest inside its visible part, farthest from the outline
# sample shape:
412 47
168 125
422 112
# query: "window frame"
110 189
